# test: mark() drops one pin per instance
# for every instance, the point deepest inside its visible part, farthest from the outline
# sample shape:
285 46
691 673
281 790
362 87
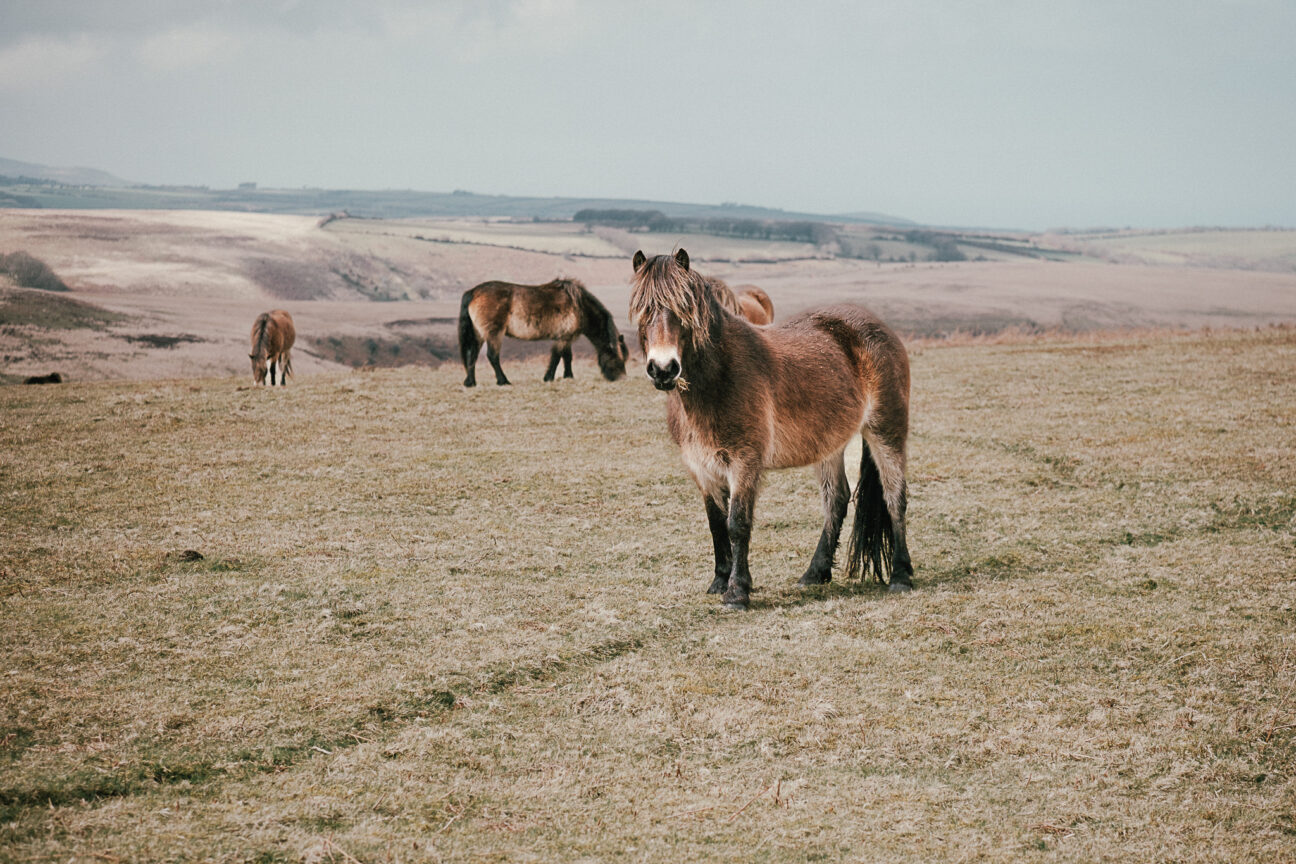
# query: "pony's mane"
662 284
259 343
723 294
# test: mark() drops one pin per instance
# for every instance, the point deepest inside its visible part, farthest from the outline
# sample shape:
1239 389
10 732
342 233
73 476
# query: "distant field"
555 238
182 287
1260 250
447 625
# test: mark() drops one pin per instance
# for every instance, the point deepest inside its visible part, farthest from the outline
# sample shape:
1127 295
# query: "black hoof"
470 382
719 586
503 383
735 601
814 577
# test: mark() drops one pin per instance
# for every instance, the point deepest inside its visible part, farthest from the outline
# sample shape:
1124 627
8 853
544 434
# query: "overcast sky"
1002 113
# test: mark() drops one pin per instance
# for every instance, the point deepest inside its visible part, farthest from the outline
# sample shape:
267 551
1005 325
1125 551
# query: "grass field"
447 625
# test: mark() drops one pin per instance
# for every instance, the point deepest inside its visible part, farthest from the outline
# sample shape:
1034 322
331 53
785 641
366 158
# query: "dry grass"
433 624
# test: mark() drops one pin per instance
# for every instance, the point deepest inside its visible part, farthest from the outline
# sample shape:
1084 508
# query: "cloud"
41 60
185 47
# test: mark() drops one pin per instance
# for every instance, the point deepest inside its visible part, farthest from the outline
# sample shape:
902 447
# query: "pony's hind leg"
889 458
836 498
718 522
566 358
493 355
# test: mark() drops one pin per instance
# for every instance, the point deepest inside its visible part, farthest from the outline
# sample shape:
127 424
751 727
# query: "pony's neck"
594 321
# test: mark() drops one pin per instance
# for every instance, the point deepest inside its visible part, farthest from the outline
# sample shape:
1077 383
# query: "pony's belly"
549 327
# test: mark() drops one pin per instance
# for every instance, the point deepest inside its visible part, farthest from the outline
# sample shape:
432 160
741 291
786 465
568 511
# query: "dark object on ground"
51 378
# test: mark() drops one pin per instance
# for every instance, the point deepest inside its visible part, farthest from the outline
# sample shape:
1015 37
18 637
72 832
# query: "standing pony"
746 399
560 310
273 335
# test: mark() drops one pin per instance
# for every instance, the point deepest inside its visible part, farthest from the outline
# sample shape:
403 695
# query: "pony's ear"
639 260
681 258
251 356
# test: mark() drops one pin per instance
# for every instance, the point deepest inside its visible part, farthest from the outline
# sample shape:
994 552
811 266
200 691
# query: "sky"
1029 114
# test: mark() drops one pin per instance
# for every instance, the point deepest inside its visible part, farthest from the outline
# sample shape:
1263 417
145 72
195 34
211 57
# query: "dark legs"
731 528
271 372
471 351
742 503
560 351
718 520
889 459
492 354
836 497
901 566
555 354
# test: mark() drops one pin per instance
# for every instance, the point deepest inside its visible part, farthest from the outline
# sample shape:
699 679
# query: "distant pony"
560 310
273 335
746 300
754 304
742 400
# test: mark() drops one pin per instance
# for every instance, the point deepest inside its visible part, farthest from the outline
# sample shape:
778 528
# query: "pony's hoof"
719 586
735 601
900 587
470 383
812 577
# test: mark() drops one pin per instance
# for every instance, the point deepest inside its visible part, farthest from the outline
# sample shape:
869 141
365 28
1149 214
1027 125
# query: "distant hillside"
12 168
66 188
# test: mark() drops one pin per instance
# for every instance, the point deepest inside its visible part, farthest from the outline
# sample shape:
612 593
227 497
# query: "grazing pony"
745 399
560 310
273 335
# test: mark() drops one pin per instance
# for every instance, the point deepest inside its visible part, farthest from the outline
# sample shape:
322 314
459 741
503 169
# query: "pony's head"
259 367
612 355
603 333
675 312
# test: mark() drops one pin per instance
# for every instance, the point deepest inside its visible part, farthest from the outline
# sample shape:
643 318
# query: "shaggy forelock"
662 285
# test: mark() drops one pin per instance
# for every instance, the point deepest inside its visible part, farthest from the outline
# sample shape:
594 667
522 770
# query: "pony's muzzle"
663 375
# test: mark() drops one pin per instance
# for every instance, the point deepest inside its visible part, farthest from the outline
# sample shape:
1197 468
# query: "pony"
747 300
754 304
560 310
273 335
744 399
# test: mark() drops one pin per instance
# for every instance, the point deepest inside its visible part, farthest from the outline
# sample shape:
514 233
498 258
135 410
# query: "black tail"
871 539
469 344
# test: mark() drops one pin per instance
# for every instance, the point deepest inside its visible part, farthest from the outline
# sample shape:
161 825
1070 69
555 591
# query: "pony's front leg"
555 354
742 504
566 358
271 372
718 521
836 498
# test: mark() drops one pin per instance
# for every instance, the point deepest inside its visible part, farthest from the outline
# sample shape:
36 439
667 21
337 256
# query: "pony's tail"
287 366
869 550
468 341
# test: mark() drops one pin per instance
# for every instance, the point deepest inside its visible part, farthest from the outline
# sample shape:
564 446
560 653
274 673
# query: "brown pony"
746 399
748 301
273 335
754 304
560 310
